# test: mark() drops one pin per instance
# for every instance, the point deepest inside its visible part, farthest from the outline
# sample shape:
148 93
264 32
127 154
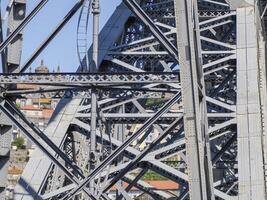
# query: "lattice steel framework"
190 72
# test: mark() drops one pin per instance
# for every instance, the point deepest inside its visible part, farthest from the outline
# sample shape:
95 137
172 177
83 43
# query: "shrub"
18 142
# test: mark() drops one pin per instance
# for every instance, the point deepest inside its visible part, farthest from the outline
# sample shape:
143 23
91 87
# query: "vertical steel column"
11 55
120 130
199 169
96 14
3 54
249 119
94 68
263 89
93 156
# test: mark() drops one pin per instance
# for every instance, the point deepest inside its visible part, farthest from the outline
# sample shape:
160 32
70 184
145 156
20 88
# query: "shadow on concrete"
29 191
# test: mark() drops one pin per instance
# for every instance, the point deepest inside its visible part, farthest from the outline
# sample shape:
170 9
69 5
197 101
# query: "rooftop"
158 185
14 171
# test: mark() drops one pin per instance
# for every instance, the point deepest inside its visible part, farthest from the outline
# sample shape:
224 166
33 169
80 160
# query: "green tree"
18 142
153 176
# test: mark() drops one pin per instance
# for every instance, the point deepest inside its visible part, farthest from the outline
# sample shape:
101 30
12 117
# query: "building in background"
36 107
160 185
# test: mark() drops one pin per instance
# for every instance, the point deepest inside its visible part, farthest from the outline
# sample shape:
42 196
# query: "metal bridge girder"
218 102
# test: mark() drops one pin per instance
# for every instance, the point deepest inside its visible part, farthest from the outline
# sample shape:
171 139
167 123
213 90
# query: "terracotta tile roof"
29 107
158 185
42 100
47 113
26 86
15 171
164 185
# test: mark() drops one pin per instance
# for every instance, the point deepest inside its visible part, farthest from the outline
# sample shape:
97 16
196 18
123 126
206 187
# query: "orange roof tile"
47 113
29 107
158 185
15 171
26 86
164 185
42 100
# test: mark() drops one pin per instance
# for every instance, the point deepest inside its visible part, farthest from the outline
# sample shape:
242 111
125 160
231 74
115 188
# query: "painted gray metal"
11 54
90 79
218 47
200 184
249 122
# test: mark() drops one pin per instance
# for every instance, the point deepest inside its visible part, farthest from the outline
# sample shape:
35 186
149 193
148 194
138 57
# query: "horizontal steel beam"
83 92
138 118
89 78
132 115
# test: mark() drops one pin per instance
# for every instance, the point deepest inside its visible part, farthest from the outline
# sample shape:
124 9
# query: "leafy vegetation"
154 102
153 176
18 142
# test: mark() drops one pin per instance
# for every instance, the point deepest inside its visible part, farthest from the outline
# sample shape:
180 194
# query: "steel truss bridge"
193 71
